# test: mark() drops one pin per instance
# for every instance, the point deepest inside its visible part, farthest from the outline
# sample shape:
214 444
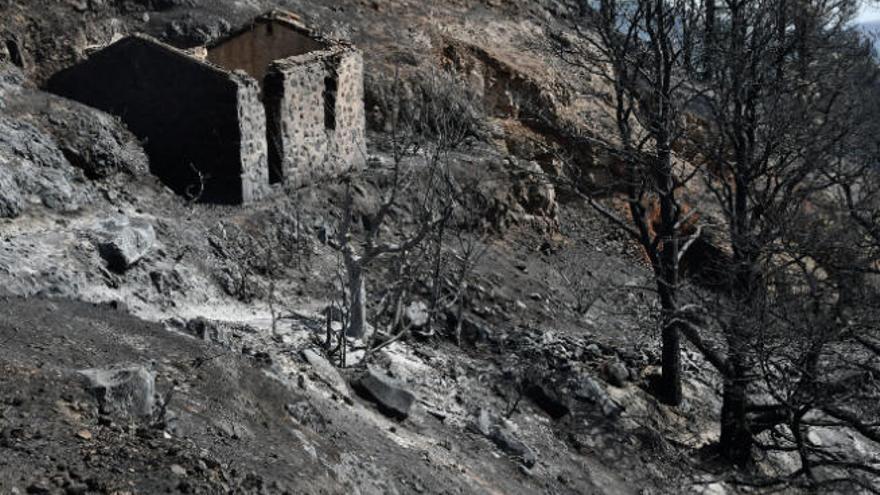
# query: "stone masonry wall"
294 97
254 49
304 146
190 115
348 140
252 145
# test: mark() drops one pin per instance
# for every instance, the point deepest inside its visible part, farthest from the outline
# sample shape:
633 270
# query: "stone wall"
252 145
347 141
316 120
192 117
260 44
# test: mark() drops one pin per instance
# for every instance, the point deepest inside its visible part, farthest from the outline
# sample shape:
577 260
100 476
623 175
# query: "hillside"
217 321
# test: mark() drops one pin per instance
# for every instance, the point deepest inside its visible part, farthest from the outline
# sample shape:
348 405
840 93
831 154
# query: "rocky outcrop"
50 146
91 140
34 170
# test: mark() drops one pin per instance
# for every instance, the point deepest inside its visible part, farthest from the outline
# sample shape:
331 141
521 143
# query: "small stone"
617 374
76 488
178 470
39 488
84 434
416 314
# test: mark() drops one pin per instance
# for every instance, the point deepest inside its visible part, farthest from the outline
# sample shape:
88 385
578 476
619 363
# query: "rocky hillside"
152 345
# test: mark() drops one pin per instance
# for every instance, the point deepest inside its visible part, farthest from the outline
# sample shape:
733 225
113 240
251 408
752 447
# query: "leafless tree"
774 94
637 48
425 122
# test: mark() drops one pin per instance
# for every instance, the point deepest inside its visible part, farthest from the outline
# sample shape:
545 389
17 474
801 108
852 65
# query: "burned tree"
638 49
424 124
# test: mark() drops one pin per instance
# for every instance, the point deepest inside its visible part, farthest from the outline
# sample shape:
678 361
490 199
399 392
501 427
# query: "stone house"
272 102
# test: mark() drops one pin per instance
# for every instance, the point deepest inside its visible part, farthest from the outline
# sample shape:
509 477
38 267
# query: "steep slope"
545 396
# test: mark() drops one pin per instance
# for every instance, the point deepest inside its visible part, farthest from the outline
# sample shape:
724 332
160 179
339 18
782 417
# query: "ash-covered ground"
547 392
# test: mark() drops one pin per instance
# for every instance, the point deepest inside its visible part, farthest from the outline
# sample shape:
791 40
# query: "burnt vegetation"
767 109
422 283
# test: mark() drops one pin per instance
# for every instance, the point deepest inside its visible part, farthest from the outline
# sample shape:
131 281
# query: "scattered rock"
128 391
125 242
393 400
84 434
178 470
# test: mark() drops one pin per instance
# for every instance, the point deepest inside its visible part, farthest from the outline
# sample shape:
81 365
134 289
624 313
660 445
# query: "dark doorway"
330 89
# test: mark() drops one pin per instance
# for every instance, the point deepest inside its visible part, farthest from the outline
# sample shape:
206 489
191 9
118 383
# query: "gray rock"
589 390
127 391
547 399
617 374
503 437
125 242
35 170
93 141
11 202
207 330
393 400
326 372
483 423
505 440
416 314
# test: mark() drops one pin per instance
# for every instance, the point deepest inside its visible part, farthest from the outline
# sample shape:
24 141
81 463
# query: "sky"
868 14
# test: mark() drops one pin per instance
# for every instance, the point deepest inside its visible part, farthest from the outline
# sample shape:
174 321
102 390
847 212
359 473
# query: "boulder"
617 374
126 391
505 440
503 437
588 390
326 372
389 395
416 314
125 242
207 330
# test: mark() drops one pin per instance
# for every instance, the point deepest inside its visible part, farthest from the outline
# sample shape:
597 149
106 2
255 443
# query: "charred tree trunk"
736 437
357 306
671 392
